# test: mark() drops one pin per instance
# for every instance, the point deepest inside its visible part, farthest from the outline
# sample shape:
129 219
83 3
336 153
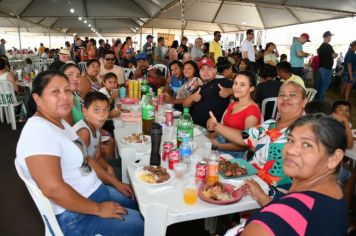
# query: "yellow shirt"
216 49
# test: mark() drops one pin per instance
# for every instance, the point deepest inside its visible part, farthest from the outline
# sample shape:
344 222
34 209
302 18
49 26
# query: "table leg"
156 220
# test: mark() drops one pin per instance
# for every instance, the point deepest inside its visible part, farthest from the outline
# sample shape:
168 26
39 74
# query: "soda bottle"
185 126
185 150
144 86
148 115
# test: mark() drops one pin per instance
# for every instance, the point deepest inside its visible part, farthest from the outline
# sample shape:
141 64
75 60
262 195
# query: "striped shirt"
303 213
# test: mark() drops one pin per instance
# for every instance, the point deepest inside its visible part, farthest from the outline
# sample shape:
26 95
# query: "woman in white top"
50 154
21 94
270 54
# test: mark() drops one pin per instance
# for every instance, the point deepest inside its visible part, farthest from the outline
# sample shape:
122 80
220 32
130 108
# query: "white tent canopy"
114 17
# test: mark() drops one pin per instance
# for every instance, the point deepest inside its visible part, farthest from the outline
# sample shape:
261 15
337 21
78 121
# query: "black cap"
327 34
149 37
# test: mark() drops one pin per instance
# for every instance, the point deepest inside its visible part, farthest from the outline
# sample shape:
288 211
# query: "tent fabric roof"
128 16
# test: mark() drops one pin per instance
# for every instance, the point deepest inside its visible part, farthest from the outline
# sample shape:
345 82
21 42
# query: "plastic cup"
190 192
179 170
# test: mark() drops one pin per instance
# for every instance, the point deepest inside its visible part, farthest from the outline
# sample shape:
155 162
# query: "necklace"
53 121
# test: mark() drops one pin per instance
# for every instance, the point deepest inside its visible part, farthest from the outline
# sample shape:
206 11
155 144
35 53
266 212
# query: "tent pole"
49 38
141 39
19 32
19 36
182 18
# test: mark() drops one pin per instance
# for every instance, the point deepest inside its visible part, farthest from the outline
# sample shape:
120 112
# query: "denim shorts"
346 78
234 154
75 224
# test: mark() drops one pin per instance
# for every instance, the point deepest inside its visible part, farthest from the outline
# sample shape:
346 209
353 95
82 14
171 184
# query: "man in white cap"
326 55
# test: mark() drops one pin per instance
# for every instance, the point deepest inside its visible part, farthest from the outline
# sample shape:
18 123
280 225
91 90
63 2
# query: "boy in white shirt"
96 112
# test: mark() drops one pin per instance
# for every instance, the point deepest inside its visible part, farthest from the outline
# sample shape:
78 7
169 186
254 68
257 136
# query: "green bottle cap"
185 110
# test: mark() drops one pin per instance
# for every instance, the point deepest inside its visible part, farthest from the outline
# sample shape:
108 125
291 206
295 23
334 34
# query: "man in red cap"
207 97
297 54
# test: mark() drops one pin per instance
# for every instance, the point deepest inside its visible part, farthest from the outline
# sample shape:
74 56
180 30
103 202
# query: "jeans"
298 71
323 82
234 154
75 224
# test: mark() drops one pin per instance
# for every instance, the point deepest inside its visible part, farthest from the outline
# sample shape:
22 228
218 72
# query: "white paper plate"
105 138
139 171
146 136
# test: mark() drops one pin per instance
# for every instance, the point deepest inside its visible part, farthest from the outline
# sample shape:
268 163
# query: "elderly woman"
314 205
52 157
268 139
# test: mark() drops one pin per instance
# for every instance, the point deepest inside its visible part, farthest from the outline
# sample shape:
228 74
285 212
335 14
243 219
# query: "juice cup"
190 192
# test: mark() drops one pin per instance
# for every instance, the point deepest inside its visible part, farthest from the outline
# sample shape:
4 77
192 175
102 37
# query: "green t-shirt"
77 113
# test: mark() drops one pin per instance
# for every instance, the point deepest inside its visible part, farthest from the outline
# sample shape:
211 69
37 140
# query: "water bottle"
185 150
185 127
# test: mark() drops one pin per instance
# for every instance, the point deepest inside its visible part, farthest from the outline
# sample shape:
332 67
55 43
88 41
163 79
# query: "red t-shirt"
237 120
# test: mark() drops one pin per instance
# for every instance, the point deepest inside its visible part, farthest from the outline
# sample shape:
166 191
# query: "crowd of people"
299 153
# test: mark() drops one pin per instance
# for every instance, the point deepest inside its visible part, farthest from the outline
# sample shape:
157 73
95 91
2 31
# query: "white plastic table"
351 153
163 205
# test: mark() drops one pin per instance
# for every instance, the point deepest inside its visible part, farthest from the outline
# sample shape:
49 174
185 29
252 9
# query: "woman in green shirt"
72 72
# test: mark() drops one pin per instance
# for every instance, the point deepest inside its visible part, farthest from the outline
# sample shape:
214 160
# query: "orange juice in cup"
190 192
190 196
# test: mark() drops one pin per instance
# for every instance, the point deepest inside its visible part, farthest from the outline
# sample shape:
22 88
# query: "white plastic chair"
82 66
43 204
264 105
8 101
311 93
162 68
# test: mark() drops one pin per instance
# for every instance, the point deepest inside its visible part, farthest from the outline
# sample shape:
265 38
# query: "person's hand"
340 118
256 192
115 94
212 122
196 96
115 113
214 142
111 210
125 189
224 92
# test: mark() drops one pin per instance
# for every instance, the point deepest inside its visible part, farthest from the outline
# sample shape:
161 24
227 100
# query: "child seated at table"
96 112
111 92
341 112
29 67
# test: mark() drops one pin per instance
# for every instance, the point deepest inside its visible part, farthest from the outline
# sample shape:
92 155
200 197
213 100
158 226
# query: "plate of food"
153 175
221 193
136 138
235 168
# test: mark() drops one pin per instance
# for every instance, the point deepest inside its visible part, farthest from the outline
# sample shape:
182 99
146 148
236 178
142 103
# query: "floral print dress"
268 143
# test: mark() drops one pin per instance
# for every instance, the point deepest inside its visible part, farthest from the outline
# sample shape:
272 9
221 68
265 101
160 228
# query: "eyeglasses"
110 59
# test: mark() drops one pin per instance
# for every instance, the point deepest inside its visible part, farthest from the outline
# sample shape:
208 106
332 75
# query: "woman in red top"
241 114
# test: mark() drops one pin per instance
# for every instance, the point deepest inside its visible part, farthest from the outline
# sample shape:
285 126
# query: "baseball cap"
64 51
206 61
141 56
149 37
306 36
327 34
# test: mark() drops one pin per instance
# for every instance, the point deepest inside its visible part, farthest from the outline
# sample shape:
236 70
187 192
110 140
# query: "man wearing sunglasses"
247 46
215 47
108 65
